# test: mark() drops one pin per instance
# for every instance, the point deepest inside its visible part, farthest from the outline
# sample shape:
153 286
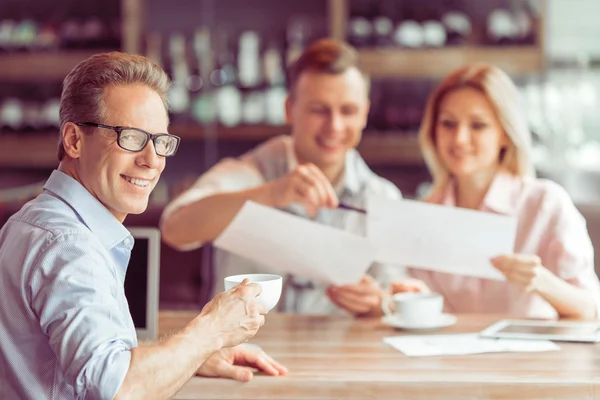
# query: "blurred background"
227 60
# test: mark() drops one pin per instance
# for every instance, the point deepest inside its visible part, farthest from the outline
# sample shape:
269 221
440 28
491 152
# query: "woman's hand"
523 270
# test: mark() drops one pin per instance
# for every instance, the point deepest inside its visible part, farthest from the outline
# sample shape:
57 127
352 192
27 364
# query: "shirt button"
127 241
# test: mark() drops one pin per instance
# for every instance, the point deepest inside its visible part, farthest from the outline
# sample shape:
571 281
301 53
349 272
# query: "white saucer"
397 322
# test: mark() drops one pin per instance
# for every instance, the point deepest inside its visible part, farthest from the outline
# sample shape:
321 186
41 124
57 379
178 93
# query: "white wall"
573 27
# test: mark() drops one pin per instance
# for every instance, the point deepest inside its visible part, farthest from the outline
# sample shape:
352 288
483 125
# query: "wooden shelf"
378 149
390 149
29 151
250 133
43 66
436 63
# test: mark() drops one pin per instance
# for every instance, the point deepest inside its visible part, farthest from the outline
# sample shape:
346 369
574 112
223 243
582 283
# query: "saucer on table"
397 322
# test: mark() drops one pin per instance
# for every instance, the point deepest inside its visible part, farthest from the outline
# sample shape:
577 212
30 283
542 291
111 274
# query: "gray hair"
82 98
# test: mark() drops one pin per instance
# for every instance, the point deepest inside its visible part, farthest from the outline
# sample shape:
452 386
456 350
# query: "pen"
347 207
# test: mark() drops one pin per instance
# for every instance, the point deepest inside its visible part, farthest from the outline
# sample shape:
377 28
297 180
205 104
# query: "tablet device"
567 331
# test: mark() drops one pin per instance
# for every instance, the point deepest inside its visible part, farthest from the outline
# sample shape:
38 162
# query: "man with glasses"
65 327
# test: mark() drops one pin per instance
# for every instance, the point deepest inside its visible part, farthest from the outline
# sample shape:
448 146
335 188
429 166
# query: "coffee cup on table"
414 308
270 284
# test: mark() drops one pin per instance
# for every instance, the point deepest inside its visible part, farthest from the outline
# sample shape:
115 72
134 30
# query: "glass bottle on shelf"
70 34
458 27
93 33
51 113
47 38
434 34
409 34
32 115
250 78
24 35
179 98
525 23
7 27
203 107
383 23
275 93
298 32
361 23
11 115
501 27
228 96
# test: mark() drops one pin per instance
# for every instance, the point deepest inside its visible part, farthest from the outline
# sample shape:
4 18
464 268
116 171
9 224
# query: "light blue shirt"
65 327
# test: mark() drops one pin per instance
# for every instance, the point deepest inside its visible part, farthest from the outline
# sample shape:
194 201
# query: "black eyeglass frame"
149 136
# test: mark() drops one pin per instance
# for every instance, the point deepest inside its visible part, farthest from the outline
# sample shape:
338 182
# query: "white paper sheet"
439 238
289 244
460 344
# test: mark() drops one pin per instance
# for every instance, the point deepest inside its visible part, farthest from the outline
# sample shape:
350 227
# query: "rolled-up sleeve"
75 292
570 253
229 175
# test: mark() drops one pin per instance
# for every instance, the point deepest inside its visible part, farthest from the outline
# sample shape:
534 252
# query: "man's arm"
159 371
202 221
195 216
205 217
81 308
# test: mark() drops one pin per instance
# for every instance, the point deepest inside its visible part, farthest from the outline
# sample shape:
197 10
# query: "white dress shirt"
267 162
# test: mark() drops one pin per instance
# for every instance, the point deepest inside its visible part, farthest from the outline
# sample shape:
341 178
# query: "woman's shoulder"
546 197
547 191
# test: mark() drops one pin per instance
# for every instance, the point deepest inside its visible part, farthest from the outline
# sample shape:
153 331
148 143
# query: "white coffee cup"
415 308
270 285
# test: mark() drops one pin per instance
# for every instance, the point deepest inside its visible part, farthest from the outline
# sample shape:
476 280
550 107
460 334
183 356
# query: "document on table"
460 344
439 238
290 244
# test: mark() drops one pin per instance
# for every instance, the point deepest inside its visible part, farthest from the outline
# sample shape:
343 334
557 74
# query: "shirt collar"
354 176
91 212
502 195
500 198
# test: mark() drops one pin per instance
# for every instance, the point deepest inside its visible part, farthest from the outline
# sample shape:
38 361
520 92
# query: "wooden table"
341 358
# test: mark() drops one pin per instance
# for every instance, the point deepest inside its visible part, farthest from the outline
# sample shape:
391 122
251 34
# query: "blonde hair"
501 92
82 98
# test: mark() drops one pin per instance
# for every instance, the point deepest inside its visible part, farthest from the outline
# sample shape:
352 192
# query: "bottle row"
217 77
31 35
441 23
396 105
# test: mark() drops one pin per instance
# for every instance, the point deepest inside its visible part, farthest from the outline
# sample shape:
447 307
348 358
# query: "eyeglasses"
135 140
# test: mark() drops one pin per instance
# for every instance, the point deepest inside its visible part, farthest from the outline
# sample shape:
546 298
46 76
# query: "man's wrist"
205 334
263 194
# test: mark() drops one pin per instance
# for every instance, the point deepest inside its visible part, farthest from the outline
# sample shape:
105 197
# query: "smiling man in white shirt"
308 173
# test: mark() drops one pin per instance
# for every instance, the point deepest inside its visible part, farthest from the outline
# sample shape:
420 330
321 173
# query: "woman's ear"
72 140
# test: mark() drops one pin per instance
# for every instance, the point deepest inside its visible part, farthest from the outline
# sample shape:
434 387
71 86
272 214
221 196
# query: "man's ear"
72 140
288 110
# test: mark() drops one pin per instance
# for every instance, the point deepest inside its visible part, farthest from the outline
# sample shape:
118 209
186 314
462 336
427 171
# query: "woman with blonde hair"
476 143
